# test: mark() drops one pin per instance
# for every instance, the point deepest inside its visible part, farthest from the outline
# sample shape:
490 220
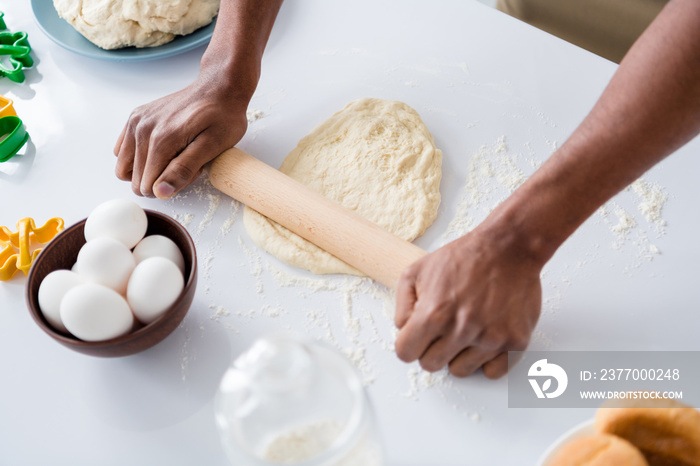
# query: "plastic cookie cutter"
13 135
6 107
10 260
14 45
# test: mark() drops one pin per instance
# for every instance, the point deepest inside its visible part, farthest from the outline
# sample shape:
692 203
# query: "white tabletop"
478 78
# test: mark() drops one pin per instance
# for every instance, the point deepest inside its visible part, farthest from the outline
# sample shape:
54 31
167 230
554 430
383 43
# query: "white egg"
153 287
159 246
51 292
93 312
106 261
121 219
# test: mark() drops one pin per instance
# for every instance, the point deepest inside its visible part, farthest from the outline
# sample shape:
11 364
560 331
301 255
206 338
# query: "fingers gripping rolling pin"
341 232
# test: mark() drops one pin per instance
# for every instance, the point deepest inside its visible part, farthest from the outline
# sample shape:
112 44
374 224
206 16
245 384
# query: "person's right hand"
468 303
165 143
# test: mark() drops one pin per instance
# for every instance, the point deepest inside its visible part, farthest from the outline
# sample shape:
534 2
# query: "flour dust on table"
496 170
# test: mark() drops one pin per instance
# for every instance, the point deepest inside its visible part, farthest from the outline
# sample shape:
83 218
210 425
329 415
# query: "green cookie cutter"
13 136
16 46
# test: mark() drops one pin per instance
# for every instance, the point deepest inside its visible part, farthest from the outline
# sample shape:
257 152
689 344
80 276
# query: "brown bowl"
62 252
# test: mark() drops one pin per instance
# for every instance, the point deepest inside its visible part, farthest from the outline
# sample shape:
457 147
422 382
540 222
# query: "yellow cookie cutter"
10 260
6 108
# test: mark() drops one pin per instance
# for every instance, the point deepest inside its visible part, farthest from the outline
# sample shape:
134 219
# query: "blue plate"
66 36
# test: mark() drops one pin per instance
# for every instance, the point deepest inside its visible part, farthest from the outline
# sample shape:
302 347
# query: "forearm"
233 58
650 108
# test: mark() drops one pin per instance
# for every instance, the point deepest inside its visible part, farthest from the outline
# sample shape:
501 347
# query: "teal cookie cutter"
14 45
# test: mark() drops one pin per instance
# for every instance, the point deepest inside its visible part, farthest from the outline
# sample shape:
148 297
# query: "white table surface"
474 75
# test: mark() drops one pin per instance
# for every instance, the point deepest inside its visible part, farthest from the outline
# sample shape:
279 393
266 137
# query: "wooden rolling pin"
330 226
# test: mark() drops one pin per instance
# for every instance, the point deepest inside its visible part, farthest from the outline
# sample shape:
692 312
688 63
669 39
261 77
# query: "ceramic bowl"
62 252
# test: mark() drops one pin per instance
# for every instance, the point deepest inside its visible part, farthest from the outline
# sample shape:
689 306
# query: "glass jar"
288 400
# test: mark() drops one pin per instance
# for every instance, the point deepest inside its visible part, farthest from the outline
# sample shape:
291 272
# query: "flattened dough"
375 157
113 24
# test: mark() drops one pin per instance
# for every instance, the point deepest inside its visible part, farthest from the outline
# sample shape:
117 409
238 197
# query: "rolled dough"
112 24
375 157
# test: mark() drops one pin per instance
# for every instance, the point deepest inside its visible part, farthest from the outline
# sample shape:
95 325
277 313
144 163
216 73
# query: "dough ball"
179 17
113 24
375 157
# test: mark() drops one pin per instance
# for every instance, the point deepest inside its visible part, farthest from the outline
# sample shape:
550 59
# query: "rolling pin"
325 223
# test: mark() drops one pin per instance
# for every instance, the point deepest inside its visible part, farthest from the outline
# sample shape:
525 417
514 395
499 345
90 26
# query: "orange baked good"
665 431
598 450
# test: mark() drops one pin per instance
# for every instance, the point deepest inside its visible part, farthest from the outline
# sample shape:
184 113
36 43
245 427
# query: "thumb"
406 297
184 169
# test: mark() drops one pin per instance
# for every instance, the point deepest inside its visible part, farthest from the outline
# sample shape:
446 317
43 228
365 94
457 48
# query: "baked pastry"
667 432
598 450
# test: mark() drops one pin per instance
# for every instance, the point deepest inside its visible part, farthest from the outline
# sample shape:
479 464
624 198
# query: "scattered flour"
185 362
214 201
634 233
219 312
255 262
420 380
184 219
495 171
253 114
493 174
653 199
625 222
231 220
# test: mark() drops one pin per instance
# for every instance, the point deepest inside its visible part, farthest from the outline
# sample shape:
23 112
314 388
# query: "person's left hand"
165 144
467 304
